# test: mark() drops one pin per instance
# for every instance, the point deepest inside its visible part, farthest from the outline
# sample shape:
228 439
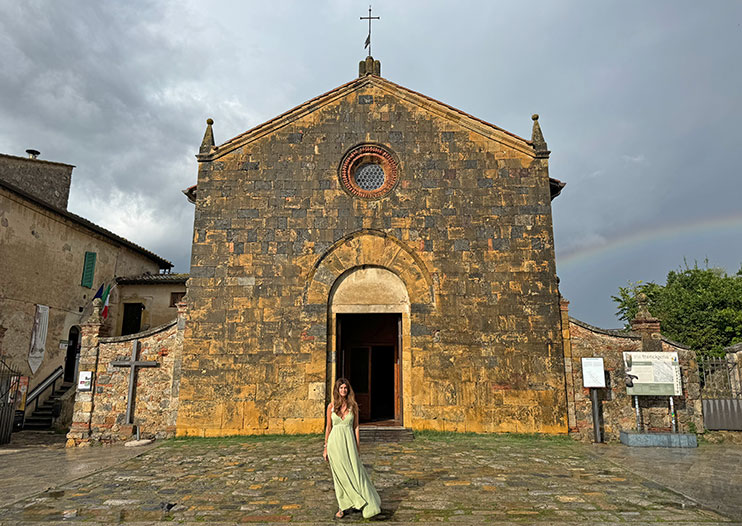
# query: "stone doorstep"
636 439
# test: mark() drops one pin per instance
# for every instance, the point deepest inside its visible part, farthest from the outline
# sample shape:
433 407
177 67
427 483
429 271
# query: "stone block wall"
469 219
618 412
100 415
45 180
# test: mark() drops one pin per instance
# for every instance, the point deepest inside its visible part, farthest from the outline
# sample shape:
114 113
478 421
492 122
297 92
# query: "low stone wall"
63 421
618 412
100 415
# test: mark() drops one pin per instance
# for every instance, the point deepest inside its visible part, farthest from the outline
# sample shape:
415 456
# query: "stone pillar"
569 381
177 367
735 361
647 326
182 315
79 433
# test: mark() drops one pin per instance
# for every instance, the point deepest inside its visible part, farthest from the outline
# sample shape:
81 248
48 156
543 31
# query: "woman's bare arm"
328 428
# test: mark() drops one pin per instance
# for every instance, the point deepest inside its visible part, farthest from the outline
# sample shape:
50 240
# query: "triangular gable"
434 106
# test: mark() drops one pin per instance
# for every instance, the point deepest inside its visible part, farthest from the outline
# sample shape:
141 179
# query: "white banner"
38 337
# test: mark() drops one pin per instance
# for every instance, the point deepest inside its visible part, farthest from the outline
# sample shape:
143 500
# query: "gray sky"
640 103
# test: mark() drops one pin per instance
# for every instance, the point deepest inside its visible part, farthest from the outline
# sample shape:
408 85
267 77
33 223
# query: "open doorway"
132 318
368 352
73 354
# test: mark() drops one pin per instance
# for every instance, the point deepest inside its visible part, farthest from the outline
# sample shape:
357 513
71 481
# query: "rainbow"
716 225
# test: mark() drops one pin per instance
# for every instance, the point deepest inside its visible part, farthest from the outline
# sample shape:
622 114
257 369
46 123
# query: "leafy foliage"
698 307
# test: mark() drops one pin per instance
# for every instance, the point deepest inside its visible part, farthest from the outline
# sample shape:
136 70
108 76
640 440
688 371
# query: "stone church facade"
378 234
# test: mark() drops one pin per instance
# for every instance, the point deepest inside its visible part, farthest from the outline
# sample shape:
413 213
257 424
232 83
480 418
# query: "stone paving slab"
37 461
465 479
710 474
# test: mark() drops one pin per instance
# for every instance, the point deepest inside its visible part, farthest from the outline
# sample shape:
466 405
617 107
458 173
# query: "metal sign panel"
593 372
652 374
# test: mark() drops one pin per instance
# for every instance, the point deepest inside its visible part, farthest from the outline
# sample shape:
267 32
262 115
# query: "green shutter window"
88 270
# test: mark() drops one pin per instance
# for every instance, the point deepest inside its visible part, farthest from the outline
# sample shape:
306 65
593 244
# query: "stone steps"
43 417
385 434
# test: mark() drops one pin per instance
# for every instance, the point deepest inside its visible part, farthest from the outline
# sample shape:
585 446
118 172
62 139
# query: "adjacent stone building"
52 262
139 303
375 233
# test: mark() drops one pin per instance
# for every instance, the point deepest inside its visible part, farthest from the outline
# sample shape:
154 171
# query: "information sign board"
85 381
652 374
593 372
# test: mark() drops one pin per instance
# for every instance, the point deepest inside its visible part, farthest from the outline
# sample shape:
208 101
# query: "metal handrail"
50 380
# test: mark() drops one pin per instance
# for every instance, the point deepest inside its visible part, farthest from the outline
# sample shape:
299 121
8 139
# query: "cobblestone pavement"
36 461
711 474
485 479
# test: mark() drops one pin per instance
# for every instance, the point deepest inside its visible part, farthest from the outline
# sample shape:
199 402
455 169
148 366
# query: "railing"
50 381
721 393
9 384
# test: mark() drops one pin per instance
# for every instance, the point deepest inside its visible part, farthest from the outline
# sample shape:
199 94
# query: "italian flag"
104 298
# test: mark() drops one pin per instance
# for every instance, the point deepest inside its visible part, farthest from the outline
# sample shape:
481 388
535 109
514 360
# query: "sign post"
653 374
638 414
593 377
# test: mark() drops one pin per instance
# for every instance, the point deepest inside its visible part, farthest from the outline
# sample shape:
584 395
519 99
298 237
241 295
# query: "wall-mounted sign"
63 344
652 374
22 392
85 381
593 372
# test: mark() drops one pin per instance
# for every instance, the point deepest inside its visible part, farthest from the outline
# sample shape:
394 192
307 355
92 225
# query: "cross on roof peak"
368 38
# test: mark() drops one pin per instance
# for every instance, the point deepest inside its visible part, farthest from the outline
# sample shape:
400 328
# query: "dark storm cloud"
101 86
639 102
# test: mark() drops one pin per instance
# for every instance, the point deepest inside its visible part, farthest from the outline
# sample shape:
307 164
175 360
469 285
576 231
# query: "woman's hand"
324 453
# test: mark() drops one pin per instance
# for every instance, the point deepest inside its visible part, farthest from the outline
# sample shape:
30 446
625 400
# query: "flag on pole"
104 299
99 293
368 42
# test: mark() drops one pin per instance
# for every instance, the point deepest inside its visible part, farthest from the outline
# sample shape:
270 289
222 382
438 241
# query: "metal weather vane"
368 38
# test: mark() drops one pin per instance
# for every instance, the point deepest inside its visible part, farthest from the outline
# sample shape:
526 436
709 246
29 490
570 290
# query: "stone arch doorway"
369 311
364 249
72 356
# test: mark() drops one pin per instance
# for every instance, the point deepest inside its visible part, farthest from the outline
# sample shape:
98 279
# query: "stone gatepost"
177 366
688 406
569 382
647 326
79 433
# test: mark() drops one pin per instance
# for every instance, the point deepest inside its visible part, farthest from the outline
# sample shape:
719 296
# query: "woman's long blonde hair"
350 400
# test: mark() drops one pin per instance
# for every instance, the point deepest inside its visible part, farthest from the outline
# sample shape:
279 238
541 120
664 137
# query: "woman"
353 488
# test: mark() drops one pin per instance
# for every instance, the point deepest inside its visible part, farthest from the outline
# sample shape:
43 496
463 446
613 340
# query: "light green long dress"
353 488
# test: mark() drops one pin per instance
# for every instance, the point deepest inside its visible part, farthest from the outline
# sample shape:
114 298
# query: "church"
377 234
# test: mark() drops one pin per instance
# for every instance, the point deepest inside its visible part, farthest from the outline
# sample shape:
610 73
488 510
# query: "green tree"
698 307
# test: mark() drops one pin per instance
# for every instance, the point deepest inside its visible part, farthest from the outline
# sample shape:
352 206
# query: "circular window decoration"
368 171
